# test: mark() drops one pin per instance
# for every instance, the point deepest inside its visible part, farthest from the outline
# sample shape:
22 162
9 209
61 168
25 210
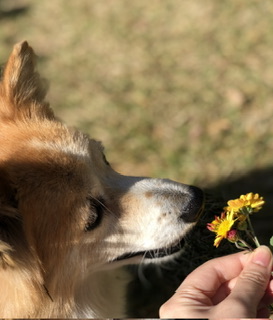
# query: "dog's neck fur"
104 292
21 288
23 296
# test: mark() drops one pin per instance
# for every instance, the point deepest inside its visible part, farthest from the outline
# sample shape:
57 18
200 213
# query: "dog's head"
62 202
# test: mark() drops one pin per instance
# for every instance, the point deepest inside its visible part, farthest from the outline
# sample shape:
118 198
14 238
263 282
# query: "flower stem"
255 239
242 245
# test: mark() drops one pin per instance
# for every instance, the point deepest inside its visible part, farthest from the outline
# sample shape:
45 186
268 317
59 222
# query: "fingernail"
262 256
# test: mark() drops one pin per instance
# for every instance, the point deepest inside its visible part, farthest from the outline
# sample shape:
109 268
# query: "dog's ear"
22 90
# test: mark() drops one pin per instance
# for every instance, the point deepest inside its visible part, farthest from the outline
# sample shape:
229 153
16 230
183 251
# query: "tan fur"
65 214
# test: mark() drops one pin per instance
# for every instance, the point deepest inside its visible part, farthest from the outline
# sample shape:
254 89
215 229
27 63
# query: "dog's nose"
194 205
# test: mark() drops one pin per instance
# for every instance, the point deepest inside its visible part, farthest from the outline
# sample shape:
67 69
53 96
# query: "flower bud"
232 235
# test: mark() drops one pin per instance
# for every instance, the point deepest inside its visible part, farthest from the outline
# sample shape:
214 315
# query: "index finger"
211 275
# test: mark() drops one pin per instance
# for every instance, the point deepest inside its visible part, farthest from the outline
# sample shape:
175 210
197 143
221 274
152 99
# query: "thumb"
253 280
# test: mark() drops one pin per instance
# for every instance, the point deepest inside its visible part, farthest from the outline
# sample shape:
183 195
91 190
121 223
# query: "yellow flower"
252 202
221 226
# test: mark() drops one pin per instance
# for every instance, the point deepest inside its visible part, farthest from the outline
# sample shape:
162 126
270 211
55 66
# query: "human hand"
234 286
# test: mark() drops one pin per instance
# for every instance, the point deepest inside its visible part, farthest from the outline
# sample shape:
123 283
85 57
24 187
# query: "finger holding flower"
234 286
235 225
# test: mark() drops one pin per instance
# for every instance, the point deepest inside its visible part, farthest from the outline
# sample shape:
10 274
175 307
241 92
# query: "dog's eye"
96 211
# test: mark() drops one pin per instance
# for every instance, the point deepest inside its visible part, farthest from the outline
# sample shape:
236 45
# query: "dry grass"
177 89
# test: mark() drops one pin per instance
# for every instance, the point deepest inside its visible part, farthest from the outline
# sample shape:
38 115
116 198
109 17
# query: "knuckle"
256 277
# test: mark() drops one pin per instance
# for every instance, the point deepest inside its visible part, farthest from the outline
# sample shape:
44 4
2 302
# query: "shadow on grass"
153 285
10 12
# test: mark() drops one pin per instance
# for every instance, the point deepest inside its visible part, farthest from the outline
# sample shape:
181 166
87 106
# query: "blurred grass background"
175 89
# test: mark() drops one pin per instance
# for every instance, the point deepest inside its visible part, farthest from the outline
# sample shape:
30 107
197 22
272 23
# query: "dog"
66 217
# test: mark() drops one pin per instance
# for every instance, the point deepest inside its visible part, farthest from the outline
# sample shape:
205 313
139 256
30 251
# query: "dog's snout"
194 204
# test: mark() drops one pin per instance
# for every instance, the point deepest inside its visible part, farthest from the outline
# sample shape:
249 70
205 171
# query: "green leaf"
271 244
271 241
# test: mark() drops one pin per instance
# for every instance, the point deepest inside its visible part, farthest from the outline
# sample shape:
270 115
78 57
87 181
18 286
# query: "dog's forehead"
45 140
61 157
66 142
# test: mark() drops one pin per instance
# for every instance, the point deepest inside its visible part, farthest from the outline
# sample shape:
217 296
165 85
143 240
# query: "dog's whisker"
101 203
